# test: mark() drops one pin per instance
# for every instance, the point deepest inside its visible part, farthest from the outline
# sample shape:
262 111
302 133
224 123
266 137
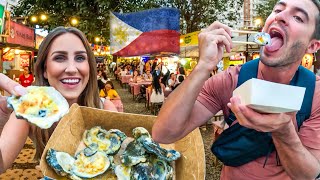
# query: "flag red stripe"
153 42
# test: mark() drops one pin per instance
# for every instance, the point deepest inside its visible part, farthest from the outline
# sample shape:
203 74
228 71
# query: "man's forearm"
172 119
298 161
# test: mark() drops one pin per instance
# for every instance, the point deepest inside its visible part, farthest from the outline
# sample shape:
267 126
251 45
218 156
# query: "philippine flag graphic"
146 32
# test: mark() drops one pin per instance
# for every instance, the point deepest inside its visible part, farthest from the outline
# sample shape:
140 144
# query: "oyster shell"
143 137
80 167
262 38
107 141
161 170
123 172
90 166
140 133
142 171
161 153
134 154
61 162
41 106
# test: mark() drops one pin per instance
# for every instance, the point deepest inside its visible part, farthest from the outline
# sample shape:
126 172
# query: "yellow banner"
190 39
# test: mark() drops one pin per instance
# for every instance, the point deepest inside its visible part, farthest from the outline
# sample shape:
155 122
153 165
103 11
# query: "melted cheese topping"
36 100
91 165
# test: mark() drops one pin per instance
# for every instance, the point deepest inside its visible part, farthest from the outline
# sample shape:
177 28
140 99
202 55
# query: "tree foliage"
198 14
93 15
265 8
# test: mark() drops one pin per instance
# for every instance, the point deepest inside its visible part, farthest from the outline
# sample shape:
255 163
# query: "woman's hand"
13 88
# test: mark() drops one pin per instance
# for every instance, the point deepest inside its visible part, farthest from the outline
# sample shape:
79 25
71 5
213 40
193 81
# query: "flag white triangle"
121 34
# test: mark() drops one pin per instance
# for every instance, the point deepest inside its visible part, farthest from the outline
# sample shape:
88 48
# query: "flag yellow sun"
121 34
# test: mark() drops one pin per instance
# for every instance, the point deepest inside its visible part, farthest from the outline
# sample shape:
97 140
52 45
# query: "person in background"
109 92
102 76
141 66
26 78
294 27
123 71
157 88
181 70
179 81
136 77
147 76
172 81
148 65
65 62
154 65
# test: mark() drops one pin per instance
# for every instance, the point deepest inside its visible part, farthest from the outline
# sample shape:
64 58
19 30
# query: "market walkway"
24 167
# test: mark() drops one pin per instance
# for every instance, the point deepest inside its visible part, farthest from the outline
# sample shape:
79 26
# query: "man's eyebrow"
295 8
303 12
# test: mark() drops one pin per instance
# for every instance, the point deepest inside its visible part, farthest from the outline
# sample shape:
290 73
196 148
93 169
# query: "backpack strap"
248 70
304 78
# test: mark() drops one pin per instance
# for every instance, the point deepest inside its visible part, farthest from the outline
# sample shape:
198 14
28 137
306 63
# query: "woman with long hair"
157 93
65 62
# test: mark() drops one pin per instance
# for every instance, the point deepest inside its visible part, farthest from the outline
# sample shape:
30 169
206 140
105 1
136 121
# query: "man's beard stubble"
294 54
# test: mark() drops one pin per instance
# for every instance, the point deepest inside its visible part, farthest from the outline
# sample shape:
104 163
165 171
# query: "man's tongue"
276 44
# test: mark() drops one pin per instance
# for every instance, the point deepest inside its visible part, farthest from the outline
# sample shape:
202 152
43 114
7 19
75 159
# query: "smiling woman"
68 49
65 62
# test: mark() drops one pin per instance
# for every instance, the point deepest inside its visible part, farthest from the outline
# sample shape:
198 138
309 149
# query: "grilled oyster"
123 172
163 154
262 38
161 169
144 138
90 166
107 141
41 106
142 171
61 162
134 154
83 166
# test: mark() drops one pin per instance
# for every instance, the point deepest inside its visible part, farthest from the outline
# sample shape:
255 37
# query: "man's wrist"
284 131
203 68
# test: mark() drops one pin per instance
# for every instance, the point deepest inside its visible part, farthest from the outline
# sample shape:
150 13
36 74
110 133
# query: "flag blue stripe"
153 19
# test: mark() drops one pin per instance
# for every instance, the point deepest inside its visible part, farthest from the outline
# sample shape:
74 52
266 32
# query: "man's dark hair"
316 33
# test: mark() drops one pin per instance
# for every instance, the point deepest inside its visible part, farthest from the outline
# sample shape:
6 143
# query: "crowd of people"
66 62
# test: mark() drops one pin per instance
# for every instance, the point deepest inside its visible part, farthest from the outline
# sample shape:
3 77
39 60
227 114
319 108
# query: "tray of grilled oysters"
111 151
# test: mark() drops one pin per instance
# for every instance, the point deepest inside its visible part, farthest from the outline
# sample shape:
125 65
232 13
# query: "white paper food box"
269 97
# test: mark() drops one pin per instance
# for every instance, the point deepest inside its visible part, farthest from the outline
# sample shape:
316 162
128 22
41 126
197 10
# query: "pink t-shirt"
215 95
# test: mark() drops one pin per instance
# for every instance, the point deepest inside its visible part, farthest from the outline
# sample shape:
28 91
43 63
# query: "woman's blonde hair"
90 95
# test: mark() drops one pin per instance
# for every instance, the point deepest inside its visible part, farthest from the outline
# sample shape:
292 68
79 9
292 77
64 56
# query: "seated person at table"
102 76
109 91
136 77
172 81
123 71
147 76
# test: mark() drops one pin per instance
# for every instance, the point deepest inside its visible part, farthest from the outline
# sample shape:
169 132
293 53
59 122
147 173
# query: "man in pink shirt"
294 29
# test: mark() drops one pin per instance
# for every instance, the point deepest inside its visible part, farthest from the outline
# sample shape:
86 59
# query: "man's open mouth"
276 41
